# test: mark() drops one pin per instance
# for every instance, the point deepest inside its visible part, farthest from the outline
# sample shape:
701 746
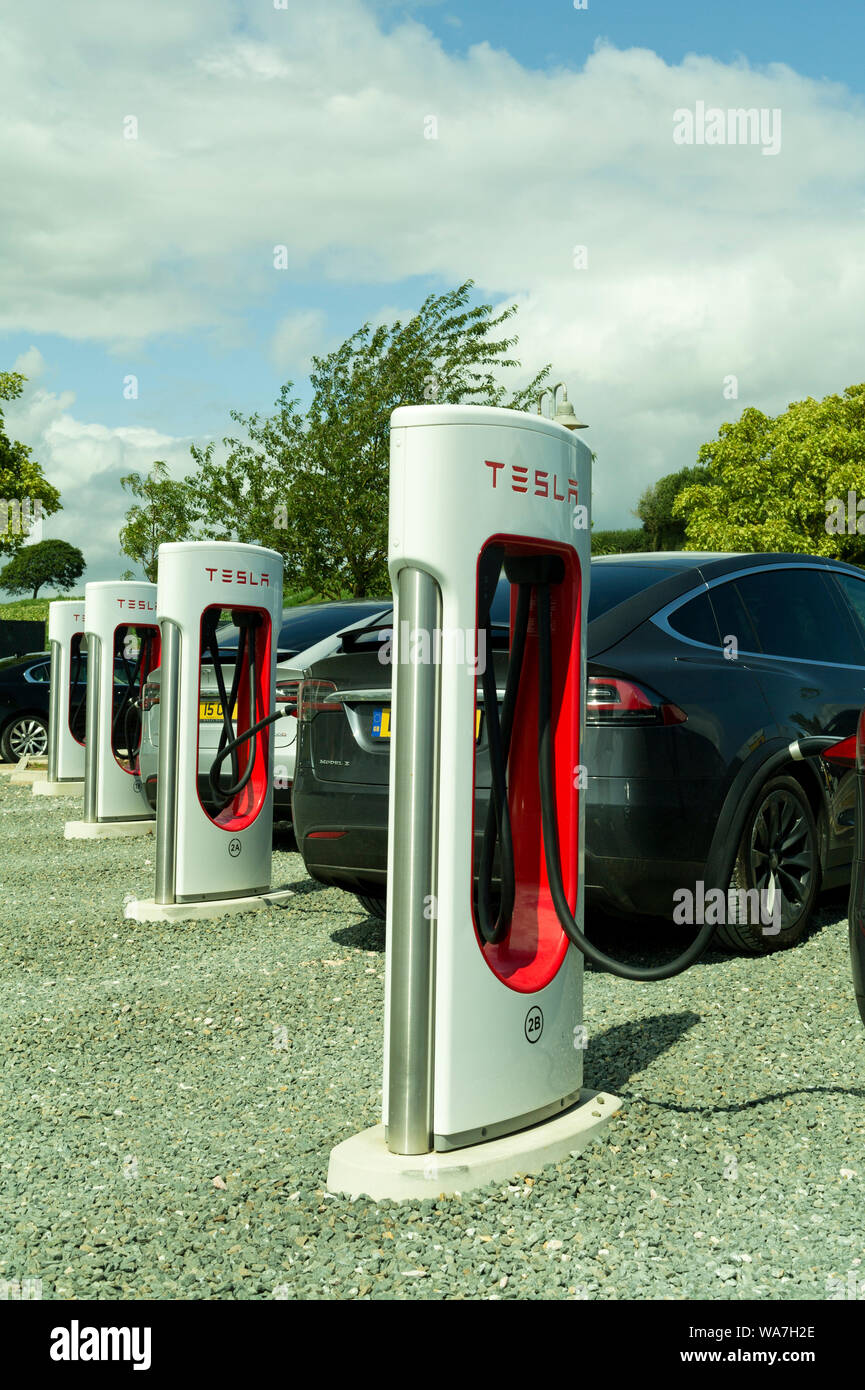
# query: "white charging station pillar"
66 641
216 860
123 642
484 1042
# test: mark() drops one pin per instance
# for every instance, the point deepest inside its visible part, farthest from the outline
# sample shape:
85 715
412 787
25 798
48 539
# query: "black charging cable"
498 822
552 856
529 577
229 742
133 706
128 704
75 721
536 574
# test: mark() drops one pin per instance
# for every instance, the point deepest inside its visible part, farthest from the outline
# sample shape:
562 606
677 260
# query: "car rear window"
696 620
612 584
500 616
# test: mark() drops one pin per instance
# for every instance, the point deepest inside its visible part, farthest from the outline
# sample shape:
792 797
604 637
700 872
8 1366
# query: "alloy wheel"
783 855
28 736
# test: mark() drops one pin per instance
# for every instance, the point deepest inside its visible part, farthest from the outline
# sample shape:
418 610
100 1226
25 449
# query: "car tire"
376 907
25 734
779 850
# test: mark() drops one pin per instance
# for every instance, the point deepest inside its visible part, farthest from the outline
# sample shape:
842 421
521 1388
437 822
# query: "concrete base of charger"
364 1166
146 910
107 829
28 777
47 788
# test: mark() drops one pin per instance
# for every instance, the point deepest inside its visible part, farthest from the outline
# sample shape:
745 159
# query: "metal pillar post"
91 736
166 786
55 713
416 707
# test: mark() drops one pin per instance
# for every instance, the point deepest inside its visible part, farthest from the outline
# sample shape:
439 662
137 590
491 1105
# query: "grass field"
31 609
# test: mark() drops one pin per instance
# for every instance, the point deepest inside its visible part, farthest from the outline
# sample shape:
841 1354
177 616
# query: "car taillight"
312 700
286 694
614 700
850 751
149 696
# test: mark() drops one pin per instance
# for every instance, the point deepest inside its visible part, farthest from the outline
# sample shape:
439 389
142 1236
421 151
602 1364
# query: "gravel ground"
170 1095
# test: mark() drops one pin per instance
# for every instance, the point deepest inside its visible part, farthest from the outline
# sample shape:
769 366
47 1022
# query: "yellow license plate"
209 710
381 723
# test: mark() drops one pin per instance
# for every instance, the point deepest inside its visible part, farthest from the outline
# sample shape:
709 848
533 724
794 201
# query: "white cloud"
86 461
296 338
30 364
305 127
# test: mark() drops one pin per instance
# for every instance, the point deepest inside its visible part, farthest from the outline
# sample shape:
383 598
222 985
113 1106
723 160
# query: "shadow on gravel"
367 935
831 906
654 940
620 1053
283 838
855 1092
304 885
645 940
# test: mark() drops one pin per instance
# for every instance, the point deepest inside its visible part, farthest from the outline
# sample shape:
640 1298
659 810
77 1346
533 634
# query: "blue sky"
822 40
303 126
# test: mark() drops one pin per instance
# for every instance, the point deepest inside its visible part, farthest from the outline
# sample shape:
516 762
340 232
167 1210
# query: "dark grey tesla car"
702 670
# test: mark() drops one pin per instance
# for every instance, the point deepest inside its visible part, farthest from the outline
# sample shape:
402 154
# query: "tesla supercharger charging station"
66 642
217 860
123 647
484 1043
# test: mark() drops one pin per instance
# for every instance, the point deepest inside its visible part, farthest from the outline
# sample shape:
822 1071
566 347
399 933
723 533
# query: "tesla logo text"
237 576
137 603
539 482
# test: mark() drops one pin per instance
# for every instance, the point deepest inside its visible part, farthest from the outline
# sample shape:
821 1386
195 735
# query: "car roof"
21 659
732 559
681 559
300 608
615 624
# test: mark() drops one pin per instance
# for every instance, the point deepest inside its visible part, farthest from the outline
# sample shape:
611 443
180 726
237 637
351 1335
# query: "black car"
850 753
702 670
25 684
24 687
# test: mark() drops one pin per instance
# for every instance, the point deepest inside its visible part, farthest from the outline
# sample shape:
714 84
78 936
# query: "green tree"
22 482
46 562
314 484
619 542
776 483
164 513
664 529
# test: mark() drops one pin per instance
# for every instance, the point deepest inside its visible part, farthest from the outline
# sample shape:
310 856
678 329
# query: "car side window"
40 674
695 619
795 613
854 590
